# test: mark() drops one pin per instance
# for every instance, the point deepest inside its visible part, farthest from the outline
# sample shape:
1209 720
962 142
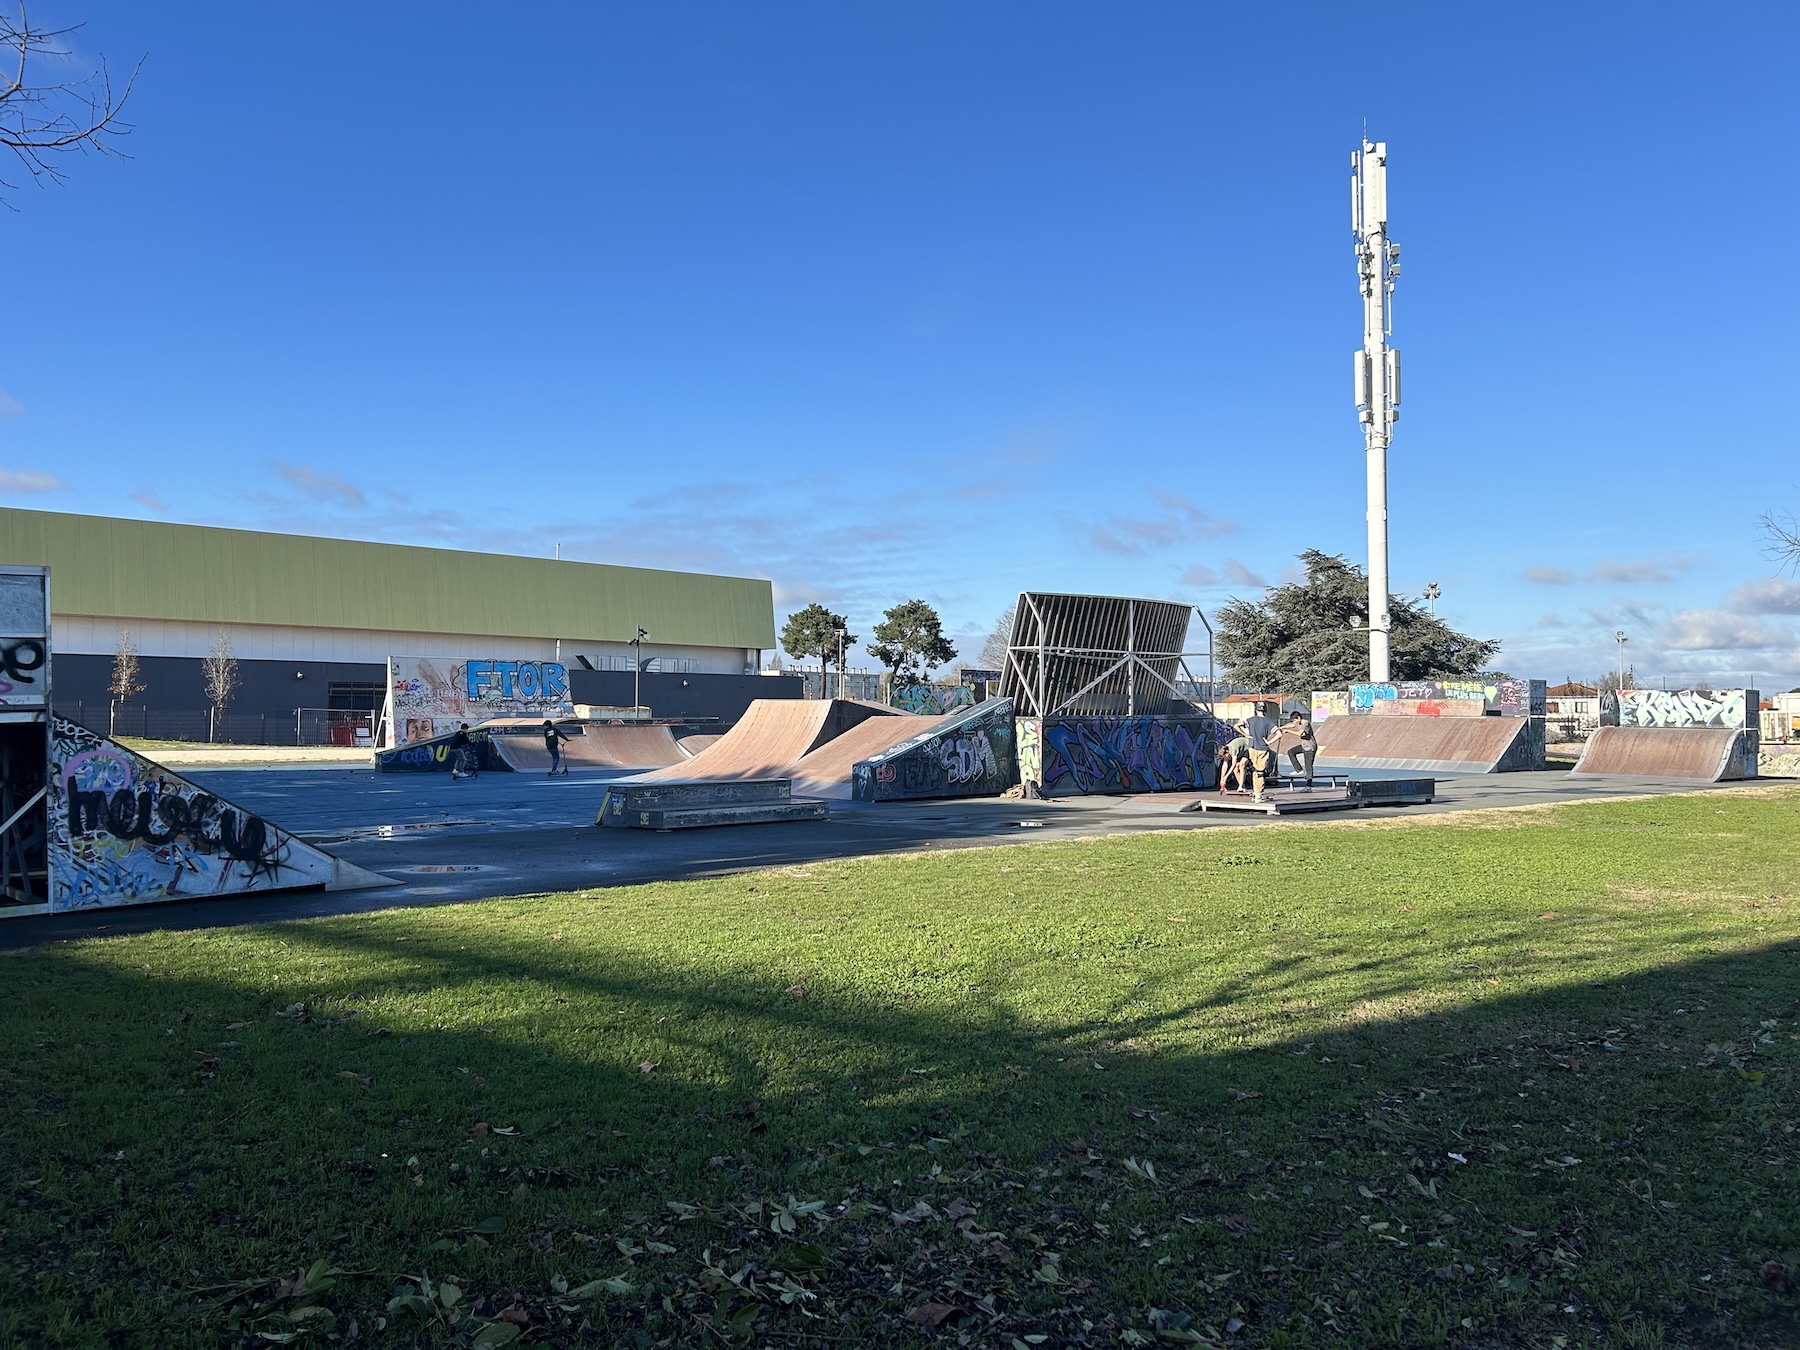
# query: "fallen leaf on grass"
1176 918
1750 1075
796 991
930 1314
478 1129
649 1065
1245 1096
1140 1113
1775 1275
1237 1225
362 1079
236 1026
1547 914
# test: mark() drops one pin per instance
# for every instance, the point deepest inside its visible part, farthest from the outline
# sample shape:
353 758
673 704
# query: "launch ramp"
773 735
1704 754
1441 746
828 771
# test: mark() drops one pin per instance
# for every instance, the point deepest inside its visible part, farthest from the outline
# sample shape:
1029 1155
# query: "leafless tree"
993 650
1783 532
43 117
127 678
219 668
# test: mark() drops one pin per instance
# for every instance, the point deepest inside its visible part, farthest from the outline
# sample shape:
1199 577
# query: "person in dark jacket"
553 740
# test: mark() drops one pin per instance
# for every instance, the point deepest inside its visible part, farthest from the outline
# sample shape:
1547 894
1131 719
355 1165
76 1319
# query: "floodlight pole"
1377 373
637 671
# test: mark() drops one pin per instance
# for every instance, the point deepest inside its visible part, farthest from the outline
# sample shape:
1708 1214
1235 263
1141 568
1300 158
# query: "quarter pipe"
593 747
1436 745
1704 754
773 736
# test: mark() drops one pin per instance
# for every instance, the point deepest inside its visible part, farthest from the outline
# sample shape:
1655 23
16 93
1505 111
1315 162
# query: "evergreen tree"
1298 638
910 640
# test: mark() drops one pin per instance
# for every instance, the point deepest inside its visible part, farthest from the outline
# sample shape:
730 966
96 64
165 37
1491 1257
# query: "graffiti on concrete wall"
126 831
1126 754
1030 733
429 697
974 755
436 756
931 699
1686 708
1507 697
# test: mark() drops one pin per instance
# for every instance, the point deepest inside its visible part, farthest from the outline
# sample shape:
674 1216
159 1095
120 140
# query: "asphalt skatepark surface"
443 840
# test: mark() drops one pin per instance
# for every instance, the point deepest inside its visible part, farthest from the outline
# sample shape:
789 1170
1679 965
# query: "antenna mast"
1377 373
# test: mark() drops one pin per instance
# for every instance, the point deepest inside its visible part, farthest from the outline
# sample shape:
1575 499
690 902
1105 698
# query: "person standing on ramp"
1257 729
553 740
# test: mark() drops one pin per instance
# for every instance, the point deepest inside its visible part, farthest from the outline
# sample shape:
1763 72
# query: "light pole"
1620 638
842 632
637 670
1432 592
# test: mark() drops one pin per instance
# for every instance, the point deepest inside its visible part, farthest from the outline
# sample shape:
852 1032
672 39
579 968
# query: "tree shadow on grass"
1275 1147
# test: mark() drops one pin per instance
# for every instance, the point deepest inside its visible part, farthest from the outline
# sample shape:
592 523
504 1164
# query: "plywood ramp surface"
825 772
772 735
597 747
1703 753
1449 744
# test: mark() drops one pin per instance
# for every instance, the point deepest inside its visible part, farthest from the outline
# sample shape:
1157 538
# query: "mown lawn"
1518 1079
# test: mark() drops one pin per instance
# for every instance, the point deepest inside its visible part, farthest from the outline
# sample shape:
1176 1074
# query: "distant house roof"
1573 690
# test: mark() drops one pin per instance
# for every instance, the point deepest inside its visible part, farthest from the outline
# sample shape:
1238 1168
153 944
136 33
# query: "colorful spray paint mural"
1329 703
973 756
932 700
437 756
1439 698
1078 755
430 697
125 831
1687 708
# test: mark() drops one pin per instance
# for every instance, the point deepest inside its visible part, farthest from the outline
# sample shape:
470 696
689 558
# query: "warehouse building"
313 624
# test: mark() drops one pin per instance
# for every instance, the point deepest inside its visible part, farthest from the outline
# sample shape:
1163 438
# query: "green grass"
1524 1078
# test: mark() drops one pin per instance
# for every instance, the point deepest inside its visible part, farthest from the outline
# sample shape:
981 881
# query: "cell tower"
1377 372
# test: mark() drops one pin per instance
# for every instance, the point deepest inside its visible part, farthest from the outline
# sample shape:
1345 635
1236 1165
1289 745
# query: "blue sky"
946 300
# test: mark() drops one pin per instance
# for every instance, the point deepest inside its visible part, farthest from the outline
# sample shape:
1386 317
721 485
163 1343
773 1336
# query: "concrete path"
445 841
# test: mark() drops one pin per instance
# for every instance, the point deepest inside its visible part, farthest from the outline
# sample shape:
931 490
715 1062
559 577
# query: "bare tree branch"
39 122
1783 533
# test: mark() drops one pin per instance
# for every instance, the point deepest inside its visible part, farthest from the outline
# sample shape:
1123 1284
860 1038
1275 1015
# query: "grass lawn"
1514 1079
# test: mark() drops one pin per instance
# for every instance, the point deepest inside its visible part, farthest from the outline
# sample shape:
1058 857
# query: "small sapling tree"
219 668
127 679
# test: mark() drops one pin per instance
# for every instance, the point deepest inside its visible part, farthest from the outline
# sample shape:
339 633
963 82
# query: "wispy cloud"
150 501
10 406
1234 573
1772 595
1182 522
29 482
321 487
1615 571
1718 630
1636 572
1545 575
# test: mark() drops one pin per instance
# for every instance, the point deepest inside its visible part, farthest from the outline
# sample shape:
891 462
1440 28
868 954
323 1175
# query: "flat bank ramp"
772 736
593 747
1434 745
826 772
1704 754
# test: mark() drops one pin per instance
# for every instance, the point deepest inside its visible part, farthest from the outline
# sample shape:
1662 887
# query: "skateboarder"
1305 746
553 740
462 754
1257 729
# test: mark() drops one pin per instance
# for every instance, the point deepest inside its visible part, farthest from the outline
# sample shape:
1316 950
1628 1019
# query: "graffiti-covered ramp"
123 830
970 753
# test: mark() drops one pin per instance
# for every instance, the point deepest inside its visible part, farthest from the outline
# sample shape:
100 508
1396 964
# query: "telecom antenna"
1377 372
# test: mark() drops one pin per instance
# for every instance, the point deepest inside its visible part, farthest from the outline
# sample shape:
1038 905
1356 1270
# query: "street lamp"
1432 592
842 633
1620 638
637 669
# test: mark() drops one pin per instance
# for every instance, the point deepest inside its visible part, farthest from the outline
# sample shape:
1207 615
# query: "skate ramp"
1441 746
123 830
593 747
828 771
1704 754
693 745
972 752
772 736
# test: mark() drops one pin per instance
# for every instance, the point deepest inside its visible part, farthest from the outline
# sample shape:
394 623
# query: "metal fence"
302 726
